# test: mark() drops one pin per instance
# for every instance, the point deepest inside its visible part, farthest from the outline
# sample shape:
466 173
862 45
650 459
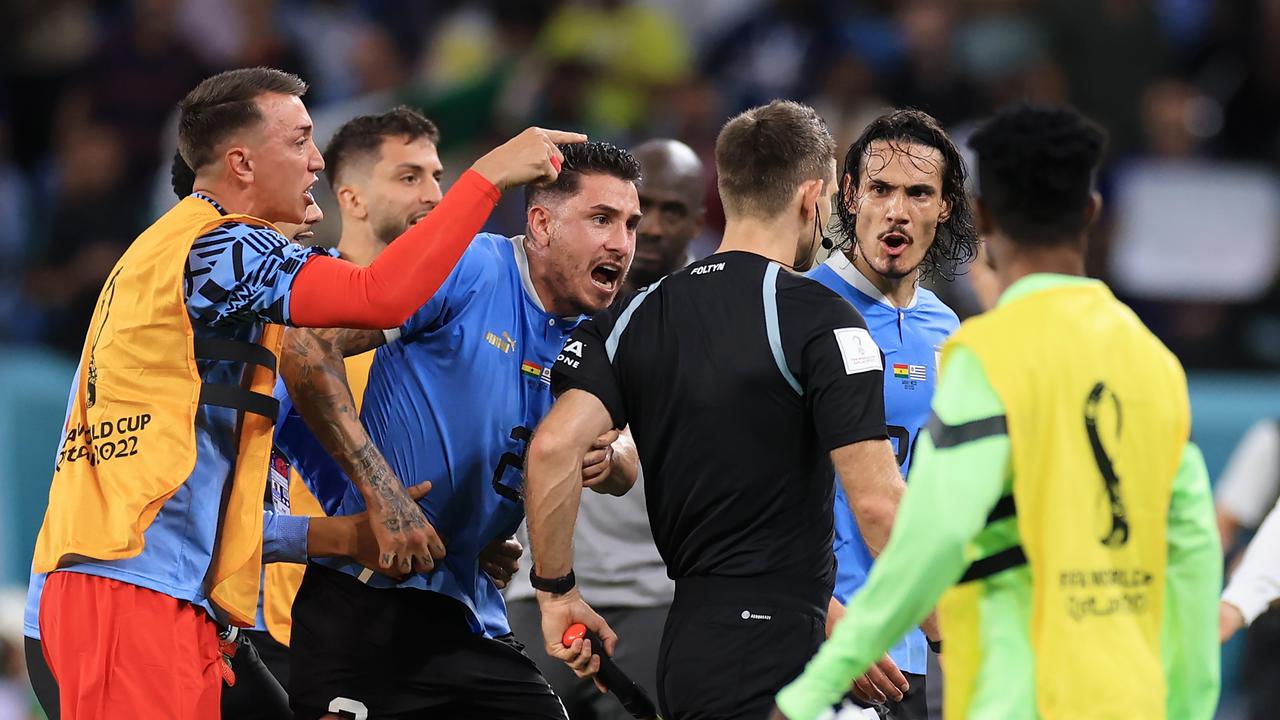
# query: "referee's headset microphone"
827 243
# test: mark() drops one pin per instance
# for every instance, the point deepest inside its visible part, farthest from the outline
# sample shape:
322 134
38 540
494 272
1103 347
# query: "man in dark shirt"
743 382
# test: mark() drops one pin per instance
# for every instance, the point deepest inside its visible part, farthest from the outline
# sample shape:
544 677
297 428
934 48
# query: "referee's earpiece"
827 244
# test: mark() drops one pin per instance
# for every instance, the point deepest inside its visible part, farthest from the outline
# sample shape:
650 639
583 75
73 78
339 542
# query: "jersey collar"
211 201
852 275
1035 282
522 263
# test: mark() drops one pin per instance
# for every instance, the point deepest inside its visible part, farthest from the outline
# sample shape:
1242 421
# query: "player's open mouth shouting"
607 275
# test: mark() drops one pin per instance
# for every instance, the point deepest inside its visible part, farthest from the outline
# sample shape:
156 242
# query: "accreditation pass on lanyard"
278 480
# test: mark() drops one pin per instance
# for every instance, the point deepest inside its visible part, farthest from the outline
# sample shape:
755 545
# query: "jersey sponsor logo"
704 269
859 352
904 371
575 348
748 615
505 343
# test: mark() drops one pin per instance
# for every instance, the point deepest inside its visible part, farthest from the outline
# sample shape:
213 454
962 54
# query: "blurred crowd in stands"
1189 90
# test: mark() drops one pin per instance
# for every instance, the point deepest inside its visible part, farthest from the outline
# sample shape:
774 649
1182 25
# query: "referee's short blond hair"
765 153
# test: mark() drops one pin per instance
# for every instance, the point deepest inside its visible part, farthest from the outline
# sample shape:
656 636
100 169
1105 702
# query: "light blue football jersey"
911 339
454 400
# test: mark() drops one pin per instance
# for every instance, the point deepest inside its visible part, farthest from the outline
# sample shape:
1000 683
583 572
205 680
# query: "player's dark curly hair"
1036 171
362 136
956 241
182 177
589 158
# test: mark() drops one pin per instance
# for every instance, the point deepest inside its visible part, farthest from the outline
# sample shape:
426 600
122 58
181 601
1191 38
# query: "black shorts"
42 681
257 694
403 653
730 645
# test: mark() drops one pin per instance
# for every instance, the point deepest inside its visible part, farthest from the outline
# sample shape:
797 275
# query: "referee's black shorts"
730 644
381 653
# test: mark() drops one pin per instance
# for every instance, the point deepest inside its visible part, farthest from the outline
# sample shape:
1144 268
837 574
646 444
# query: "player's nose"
896 208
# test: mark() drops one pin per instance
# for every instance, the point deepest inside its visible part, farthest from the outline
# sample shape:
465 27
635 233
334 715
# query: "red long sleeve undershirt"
329 292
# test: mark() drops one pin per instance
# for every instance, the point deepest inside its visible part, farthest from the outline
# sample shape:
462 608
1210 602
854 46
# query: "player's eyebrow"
411 167
305 129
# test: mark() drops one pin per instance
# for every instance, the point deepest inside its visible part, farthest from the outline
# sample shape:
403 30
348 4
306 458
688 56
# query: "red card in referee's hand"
632 697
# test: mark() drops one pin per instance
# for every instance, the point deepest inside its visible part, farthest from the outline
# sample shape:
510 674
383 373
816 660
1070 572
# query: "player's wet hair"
182 177
1036 171
361 137
225 103
956 240
589 158
764 154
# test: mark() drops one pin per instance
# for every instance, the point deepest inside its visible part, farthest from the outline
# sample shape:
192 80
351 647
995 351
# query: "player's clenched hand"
883 682
561 611
597 464
406 541
363 546
530 157
500 560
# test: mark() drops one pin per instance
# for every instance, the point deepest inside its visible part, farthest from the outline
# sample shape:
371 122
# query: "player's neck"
358 244
235 201
1016 262
773 239
898 291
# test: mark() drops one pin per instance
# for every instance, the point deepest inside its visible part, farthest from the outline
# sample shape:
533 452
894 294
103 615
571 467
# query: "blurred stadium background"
1189 90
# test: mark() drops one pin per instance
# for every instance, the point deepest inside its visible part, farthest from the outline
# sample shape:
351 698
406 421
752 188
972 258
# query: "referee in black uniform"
742 382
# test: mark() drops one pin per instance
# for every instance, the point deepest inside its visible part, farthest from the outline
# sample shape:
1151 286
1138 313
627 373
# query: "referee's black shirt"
737 377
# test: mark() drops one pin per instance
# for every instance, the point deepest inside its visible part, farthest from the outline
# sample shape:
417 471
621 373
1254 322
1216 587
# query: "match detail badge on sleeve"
859 352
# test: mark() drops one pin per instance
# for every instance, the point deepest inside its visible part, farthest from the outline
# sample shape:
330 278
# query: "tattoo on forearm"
316 377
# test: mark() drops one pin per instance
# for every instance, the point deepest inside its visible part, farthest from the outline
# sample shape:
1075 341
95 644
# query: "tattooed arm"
312 368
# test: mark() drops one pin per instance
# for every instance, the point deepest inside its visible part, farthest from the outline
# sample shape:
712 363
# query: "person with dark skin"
671 189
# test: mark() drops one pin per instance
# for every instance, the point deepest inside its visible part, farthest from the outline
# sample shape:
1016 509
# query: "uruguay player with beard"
452 399
903 207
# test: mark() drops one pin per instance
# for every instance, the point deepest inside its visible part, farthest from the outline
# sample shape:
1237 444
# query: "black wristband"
935 646
555 586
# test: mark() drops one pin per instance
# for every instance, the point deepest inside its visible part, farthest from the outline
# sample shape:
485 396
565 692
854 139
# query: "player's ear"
238 163
1092 208
350 201
538 226
849 193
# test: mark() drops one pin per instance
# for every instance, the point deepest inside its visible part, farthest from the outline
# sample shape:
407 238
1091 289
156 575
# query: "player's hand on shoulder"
561 611
406 541
530 157
500 560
